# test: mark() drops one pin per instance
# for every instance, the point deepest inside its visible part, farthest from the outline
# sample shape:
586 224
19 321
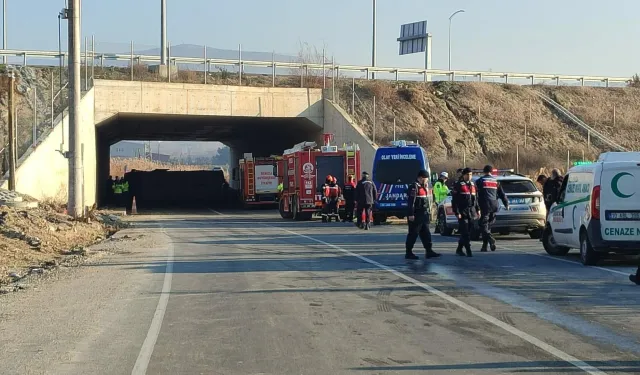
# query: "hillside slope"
487 121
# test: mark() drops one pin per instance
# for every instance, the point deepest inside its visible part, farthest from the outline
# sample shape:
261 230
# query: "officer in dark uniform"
349 195
489 191
419 216
366 195
464 203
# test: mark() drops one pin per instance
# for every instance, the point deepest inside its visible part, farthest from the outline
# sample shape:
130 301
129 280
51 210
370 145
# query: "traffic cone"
134 209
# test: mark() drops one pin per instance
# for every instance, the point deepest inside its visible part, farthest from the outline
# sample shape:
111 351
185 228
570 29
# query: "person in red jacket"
349 195
330 196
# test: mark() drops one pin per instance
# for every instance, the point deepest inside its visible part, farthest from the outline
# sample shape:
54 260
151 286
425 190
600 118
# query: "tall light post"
451 17
373 50
163 32
4 29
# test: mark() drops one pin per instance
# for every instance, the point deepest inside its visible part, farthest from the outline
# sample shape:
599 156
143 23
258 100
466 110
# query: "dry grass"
118 166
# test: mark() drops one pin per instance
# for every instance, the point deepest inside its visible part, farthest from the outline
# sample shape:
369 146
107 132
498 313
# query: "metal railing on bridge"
89 57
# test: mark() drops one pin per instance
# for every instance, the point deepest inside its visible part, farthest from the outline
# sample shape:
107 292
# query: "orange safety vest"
331 191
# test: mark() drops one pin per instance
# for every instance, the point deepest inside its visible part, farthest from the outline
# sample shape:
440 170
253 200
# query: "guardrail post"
607 82
506 78
52 98
24 62
240 64
131 63
396 75
582 82
35 115
557 81
373 138
273 69
452 76
532 80
206 66
367 71
480 77
324 73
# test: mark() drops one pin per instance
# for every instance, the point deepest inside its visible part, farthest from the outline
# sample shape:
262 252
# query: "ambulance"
598 209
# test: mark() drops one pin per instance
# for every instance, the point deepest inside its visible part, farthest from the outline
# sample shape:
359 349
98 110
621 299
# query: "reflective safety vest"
440 191
280 187
117 188
125 187
331 191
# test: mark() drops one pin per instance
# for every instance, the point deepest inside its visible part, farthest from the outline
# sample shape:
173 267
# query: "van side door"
580 186
560 216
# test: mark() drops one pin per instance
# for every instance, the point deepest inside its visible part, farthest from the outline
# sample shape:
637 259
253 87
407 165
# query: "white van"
598 209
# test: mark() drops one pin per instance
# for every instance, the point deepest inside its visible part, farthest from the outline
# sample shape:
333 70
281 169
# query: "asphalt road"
249 293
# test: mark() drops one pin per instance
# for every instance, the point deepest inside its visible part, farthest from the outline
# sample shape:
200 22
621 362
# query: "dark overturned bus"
394 168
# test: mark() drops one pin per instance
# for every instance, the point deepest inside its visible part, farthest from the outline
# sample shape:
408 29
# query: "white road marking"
564 260
149 343
498 323
215 212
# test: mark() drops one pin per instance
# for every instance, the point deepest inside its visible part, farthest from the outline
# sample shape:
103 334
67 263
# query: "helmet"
444 174
329 178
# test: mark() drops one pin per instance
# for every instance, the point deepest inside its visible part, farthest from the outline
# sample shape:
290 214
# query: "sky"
584 37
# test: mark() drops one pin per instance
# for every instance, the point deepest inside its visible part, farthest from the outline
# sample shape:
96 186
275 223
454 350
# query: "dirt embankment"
486 121
36 239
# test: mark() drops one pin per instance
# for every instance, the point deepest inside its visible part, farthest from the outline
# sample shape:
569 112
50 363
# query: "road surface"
249 293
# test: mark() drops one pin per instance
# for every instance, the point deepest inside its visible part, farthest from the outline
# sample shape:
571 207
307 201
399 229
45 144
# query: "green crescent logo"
616 189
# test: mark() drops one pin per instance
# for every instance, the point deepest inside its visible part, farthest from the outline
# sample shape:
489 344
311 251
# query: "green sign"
581 162
614 185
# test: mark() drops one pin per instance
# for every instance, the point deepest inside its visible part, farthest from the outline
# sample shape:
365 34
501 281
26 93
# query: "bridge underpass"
261 136
259 120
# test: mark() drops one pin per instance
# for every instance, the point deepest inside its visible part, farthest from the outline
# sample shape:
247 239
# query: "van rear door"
620 200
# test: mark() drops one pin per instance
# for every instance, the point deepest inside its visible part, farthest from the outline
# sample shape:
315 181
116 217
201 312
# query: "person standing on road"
418 217
349 193
551 188
489 191
366 194
464 203
440 193
117 192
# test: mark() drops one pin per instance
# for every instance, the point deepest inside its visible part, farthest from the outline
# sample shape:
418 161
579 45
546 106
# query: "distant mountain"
192 50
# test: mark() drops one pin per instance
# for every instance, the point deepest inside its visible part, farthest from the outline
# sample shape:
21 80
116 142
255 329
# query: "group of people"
119 192
358 197
551 187
470 201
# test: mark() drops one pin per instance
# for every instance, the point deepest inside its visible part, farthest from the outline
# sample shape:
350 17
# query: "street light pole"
373 50
163 31
450 17
4 29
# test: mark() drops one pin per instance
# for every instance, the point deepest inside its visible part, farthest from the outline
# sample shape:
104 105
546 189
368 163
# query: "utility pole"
163 32
74 205
12 133
373 49
4 29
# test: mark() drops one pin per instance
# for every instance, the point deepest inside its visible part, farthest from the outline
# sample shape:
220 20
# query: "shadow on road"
555 367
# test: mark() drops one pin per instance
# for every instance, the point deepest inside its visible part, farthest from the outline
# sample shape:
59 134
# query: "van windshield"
396 171
517 187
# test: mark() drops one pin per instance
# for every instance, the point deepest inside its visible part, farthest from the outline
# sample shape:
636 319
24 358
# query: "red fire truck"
305 168
259 180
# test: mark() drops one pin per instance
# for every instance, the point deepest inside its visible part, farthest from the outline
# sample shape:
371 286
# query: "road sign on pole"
414 38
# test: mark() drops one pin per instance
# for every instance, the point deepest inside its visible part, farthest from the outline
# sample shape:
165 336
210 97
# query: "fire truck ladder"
352 158
251 181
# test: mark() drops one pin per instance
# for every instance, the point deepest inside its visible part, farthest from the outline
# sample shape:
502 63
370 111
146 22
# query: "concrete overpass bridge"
263 121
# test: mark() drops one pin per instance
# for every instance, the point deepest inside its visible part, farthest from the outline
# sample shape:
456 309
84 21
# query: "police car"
527 212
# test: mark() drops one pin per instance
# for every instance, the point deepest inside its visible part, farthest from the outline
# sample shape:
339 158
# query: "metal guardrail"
336 68
576 120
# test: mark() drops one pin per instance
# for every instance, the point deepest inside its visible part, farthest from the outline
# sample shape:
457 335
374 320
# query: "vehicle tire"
442 222
379 219
588 256
284 214
536 234
550 245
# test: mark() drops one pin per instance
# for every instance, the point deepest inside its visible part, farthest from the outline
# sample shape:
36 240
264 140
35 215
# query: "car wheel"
588 256
442 223
536 234
550 245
